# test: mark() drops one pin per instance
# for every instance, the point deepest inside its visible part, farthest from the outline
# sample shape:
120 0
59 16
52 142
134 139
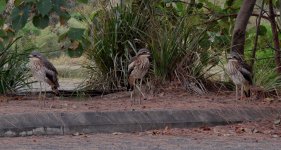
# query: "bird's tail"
55 90
247 90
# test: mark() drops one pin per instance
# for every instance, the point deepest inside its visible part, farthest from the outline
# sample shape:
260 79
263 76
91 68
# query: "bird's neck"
234 63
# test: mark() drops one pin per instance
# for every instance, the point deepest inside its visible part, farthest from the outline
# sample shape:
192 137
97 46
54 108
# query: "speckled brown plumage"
138 67
44 71
240 74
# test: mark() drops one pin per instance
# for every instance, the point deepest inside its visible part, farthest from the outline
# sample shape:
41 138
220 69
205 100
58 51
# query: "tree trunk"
8 9
275 37
280 9
238 36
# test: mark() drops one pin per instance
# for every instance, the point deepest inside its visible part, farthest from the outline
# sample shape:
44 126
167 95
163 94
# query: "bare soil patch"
169 98
258 130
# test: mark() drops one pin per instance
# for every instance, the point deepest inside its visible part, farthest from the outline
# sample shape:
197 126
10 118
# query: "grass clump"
117 32
13 71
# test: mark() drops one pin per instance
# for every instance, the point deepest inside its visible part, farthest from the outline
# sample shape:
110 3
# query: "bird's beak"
149 55
228 57
30 56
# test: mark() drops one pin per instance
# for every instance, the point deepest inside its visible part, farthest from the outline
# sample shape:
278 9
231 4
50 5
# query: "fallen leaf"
74 106
275 136
166 130
162 94
256 130
76 134
155 132
227 134
205 128
116 133
267 132
276 122
239 130
270 100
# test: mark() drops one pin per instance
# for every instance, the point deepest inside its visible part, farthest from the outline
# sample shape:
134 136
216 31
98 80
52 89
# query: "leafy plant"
112 35
13 70
270 81
116 33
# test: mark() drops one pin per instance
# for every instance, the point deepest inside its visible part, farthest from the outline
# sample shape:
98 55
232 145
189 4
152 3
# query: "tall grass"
13 70
117 32
266 78
112 34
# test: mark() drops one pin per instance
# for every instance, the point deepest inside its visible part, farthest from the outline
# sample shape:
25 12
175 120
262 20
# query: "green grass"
72 72
70 67
13 70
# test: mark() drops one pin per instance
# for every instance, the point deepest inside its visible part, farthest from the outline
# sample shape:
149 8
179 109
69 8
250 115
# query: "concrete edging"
60 123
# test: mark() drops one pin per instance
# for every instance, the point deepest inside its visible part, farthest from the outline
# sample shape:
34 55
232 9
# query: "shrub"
13 70
116 33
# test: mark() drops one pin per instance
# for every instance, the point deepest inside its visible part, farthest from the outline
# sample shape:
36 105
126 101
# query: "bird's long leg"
143 95
242 89
133 93
44 98
140 92
40 93
236 87
140 83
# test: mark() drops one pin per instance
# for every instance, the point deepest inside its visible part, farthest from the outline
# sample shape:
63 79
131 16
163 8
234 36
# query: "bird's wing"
50 66
246 74
132 64
133 59
52 76
246 66
131 67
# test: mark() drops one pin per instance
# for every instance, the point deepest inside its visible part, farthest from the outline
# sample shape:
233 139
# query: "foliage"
14 15
40 13
269 82
187 39
13 71
116 33
113 33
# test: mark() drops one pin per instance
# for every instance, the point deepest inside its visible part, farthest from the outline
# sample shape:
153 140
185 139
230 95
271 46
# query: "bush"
116 33
13 70
112 42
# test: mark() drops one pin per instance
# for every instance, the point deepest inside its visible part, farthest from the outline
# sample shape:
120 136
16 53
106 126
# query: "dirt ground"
263 129
170 98
174 98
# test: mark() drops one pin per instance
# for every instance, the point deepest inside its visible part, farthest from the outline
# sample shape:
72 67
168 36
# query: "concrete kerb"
60 123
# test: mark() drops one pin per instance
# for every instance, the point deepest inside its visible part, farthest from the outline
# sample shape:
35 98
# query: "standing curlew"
44 71
137 69
240 74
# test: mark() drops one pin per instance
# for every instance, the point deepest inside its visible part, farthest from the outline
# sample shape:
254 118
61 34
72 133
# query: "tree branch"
256 38
233 15
275 37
